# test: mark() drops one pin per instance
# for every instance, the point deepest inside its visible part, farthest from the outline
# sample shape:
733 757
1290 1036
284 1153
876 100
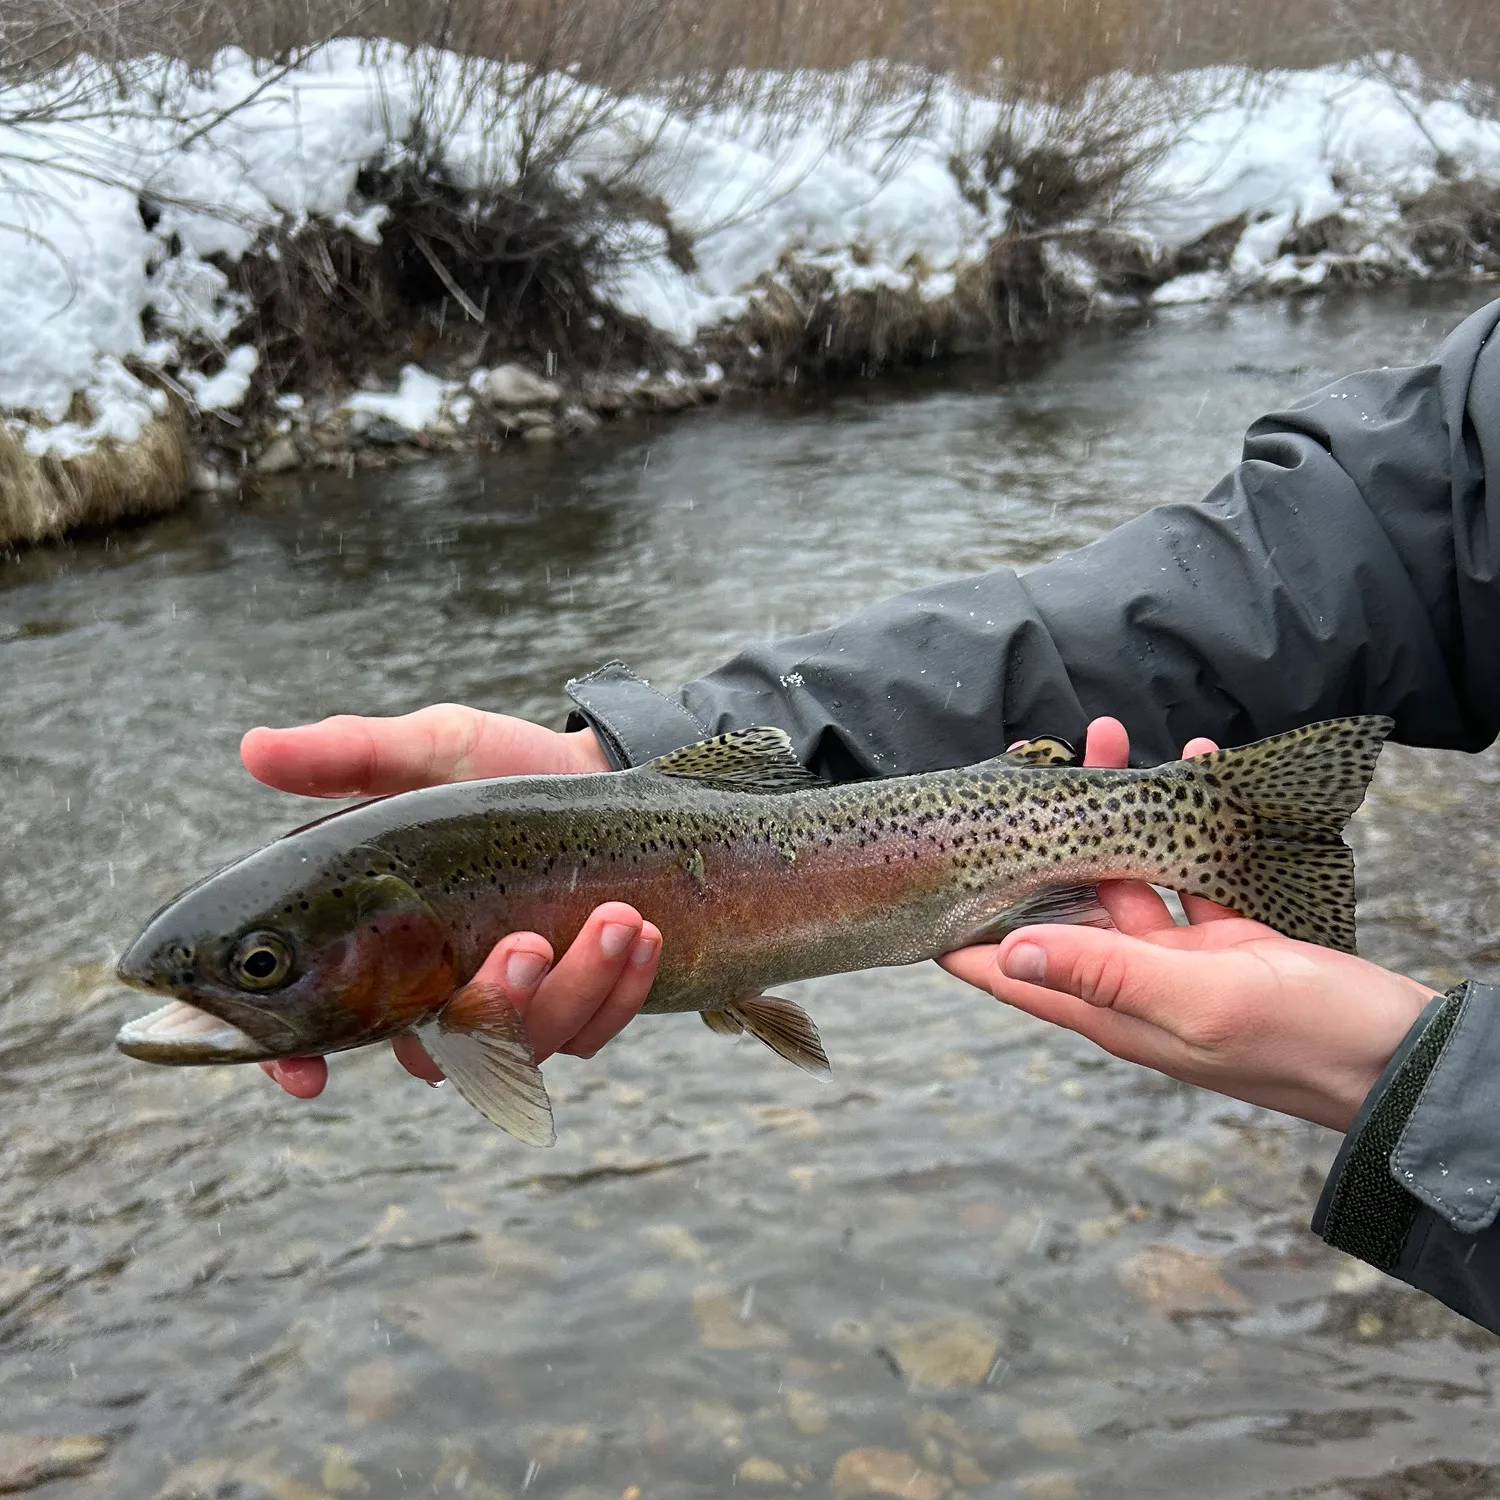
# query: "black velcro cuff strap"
1369 1214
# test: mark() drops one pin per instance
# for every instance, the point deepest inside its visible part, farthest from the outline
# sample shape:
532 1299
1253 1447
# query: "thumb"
1106 969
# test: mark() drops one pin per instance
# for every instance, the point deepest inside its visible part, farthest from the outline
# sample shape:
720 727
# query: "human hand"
350 756
1223 1003
576 1005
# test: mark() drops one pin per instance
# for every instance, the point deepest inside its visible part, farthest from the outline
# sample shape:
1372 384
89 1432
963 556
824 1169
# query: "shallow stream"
985 1261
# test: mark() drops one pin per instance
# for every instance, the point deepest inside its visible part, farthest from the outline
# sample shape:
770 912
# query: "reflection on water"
984 1261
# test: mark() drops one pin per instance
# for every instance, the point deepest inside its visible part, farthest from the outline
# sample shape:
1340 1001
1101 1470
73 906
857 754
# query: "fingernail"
1026 962
523 970
615 938
435 1083
641 953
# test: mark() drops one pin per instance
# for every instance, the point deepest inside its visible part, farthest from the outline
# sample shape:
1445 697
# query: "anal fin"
782 1025
480 1041
1075 905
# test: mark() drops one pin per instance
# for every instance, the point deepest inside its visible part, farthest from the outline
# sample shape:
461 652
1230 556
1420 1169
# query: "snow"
1196 286
224 391
417 403
91 288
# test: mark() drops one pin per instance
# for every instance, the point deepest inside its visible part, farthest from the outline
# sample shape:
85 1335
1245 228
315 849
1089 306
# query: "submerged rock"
808 1414
1049 1430
373 1391
26 1462
1048 1484
884 1471
944 1356
762 1471
1172 1281
720 1325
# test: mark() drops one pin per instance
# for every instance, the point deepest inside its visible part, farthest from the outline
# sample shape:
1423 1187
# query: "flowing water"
986 1260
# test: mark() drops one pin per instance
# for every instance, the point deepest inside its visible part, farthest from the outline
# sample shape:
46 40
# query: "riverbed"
986 1260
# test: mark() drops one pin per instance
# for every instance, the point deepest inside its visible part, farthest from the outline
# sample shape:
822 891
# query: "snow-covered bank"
755 238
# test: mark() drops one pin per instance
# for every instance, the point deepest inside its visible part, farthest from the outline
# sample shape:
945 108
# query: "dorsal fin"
1045 750
744 760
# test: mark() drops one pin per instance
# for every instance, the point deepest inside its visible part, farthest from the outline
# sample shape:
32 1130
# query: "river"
985 1261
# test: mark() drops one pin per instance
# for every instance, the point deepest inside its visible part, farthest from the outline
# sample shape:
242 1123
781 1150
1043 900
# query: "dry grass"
42 498
1053 44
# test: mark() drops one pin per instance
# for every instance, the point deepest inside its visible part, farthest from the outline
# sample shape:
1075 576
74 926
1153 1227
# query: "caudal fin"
1298 791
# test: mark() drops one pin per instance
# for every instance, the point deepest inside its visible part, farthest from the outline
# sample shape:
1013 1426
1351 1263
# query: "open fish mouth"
181 1033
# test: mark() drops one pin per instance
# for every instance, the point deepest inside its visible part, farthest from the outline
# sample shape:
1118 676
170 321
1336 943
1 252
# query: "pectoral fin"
1076 905
721 1023
480 1041
783 1026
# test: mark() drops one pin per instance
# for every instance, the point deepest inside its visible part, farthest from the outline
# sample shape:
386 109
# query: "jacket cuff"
634 721
1448 1156
1364 1209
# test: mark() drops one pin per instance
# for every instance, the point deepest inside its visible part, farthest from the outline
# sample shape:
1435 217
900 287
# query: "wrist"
1393 1013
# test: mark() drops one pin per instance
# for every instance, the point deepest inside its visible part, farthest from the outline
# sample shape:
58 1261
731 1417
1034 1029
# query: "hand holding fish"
576 1005
1224 1003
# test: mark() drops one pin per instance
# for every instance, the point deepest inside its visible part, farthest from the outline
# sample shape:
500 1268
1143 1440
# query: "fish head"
296 951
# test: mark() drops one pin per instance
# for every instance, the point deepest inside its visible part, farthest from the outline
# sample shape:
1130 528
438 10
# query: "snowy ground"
86 285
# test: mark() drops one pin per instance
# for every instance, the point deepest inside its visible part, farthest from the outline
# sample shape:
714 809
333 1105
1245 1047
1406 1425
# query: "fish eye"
260 961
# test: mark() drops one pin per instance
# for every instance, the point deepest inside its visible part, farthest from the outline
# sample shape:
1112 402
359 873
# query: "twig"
454 290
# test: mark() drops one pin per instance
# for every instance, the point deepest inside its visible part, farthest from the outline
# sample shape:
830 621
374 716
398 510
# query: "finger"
1200 909
347 755
1124 1036
517 966
1134 907
625 1000
1109 970
583 978
1107 745
412 1056
301 1077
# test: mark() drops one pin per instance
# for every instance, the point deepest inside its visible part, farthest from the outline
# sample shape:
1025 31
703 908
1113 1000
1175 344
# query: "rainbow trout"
371 922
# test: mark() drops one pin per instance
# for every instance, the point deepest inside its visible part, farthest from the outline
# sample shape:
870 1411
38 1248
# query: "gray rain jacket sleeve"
1349 564
1415 1188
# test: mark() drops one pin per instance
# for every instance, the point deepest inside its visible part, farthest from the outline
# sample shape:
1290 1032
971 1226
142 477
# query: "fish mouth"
183 1034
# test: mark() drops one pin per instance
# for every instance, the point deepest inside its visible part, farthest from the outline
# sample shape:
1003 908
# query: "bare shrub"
1455 226
1455 45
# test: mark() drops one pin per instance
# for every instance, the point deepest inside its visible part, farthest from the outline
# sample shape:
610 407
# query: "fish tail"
1296 792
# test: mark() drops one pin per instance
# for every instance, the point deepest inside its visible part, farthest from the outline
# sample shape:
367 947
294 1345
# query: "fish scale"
374 921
